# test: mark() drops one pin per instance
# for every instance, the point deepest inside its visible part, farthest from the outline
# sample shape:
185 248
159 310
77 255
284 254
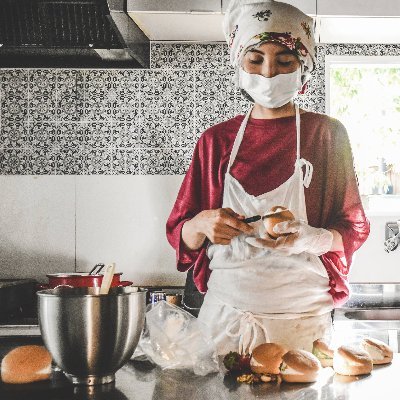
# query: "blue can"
155 297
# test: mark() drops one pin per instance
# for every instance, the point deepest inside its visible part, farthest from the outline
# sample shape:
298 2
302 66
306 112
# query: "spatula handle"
107 279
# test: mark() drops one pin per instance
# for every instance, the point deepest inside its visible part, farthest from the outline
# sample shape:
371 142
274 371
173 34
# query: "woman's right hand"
220 226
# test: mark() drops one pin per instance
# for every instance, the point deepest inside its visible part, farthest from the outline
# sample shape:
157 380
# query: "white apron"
256 295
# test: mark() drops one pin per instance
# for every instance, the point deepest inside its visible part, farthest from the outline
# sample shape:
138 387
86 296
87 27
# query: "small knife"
255 218
252 219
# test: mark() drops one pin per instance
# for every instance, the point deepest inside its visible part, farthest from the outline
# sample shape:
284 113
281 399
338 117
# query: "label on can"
155 297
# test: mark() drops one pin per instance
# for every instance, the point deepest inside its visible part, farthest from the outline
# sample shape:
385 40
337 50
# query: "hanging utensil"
97 268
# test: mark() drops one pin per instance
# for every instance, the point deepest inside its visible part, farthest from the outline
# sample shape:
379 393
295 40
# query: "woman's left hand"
300 238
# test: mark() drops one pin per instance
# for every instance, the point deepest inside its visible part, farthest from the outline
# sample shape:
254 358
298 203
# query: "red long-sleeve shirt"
265 160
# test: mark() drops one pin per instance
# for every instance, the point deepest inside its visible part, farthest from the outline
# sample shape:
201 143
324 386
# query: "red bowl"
81 279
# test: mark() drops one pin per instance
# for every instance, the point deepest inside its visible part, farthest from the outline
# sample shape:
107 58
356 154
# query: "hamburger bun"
350 360
300 366
267 358
274 216
379 351
323 352
26 364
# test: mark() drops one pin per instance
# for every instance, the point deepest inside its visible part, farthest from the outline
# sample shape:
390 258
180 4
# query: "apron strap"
297 132
300 162
238 139
307 176
247 331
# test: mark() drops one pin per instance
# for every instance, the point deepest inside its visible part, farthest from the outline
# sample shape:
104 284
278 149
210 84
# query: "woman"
259 289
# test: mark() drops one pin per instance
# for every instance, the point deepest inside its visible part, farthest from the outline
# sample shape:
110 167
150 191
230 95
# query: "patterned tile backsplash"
67 121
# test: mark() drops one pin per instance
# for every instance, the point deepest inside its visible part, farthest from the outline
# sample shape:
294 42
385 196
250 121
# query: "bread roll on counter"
267 358
350 360
323 352
379 351
300 366
26 364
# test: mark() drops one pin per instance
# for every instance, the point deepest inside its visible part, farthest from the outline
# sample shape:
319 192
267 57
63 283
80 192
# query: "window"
363 92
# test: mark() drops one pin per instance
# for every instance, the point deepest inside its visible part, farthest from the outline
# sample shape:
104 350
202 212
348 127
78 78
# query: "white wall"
371 263
65 223
118 219
37 225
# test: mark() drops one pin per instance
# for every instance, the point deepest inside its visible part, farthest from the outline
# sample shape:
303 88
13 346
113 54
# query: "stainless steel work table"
135 380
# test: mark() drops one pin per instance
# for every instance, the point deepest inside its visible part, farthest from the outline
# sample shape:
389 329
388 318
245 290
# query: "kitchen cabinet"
359 8
185 6
358 30
307 6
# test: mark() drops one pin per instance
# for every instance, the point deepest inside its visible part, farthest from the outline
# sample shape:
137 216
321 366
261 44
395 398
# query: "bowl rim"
74 275
69 292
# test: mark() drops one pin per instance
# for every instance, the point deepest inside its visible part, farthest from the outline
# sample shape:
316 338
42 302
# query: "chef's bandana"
249 23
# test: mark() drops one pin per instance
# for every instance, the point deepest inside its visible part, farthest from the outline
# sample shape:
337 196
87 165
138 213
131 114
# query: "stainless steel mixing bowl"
91 336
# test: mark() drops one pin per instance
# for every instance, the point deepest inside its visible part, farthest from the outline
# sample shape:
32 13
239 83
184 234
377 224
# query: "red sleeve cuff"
348 249
185 258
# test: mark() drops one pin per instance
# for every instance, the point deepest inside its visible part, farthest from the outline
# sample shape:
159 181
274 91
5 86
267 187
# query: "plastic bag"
173 338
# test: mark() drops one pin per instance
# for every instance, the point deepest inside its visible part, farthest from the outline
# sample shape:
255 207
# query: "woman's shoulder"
324 126
323 120
223 131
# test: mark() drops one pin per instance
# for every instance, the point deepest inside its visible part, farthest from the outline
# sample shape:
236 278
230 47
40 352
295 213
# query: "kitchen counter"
138 380
373 295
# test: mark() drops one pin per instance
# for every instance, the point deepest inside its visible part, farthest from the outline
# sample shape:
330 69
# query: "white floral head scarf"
249 23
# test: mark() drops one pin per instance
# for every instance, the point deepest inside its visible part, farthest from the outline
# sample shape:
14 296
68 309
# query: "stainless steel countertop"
373 295
134 382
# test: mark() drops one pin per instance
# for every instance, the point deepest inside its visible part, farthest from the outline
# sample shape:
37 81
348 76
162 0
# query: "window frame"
346 60
390 61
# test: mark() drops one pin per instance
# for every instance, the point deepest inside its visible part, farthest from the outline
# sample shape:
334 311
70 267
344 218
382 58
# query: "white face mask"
271 92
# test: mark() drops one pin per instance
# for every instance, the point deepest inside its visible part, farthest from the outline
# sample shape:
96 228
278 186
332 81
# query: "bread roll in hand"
274 216
26 364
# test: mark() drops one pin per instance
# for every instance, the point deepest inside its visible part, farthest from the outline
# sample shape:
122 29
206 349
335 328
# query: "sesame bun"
267 358
350 360
379 351
274 216
323 352
26 364
300 366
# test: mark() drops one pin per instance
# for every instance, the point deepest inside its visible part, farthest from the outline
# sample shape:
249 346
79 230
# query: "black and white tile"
131 121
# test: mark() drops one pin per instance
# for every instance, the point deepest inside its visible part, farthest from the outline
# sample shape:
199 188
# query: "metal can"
155 297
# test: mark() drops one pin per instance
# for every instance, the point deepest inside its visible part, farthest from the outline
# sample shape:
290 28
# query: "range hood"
70 32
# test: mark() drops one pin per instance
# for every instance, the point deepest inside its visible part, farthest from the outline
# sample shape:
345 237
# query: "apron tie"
308 173
247 331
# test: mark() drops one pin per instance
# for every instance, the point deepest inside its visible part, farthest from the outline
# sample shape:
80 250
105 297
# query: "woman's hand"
220 226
